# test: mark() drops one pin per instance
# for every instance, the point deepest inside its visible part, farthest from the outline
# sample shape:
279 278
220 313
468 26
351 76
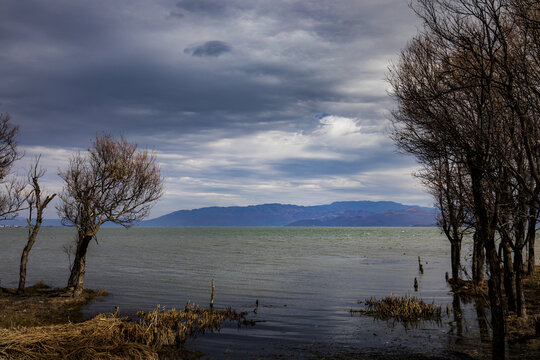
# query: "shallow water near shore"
305 280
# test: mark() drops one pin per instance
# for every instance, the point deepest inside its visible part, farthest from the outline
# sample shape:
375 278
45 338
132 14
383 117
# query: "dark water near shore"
305 281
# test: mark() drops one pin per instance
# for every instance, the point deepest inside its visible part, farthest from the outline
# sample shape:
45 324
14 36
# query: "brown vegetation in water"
165 328
406 309
113 337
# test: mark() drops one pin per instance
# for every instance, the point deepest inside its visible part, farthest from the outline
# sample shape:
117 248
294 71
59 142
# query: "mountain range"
344 213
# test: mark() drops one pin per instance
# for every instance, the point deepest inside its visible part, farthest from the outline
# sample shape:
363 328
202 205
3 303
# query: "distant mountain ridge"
344 213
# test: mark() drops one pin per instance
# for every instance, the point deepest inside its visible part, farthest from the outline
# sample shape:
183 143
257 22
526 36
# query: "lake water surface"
305 280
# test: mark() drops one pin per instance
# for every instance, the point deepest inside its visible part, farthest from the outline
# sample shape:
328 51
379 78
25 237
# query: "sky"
243 101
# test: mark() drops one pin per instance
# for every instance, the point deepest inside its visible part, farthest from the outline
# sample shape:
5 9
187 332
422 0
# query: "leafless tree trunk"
478 257
76 279
36 202
486 235
509 278
518 267
531 236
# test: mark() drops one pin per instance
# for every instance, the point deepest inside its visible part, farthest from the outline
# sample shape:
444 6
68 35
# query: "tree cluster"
468 95
112 182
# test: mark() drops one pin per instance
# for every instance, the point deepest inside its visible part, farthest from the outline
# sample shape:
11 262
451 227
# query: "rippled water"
305 281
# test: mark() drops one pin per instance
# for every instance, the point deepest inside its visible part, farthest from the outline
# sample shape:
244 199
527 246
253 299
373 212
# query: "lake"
305 280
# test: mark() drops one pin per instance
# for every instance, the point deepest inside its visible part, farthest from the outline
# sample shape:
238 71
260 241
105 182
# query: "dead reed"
113 337
406 309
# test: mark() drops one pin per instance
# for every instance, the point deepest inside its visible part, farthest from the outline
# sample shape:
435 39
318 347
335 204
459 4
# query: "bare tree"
11 190
37 202
518 76
469 84
534 214
12 198
8 146
113 182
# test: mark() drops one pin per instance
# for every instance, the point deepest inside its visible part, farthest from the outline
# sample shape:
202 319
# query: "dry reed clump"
113 337
405 309
164 328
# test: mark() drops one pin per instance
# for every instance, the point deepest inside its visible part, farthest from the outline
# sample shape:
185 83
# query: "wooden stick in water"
212 297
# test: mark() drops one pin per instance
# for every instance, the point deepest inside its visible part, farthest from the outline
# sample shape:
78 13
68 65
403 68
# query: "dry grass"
406 309
99 338
113 337
41 305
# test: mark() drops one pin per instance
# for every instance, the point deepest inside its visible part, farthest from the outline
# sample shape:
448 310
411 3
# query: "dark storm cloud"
212 48
141 96
69 63
71 70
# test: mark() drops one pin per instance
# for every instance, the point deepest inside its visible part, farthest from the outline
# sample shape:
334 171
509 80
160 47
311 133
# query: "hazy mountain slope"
413 216
345 213
349 213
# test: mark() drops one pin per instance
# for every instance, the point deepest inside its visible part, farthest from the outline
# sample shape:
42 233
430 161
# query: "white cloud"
332 136
347 133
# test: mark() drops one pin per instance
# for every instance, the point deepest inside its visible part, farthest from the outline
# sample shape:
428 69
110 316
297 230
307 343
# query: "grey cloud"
72 70
307 168
175 14
205 6
75 75
345 21
212 48
351 21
